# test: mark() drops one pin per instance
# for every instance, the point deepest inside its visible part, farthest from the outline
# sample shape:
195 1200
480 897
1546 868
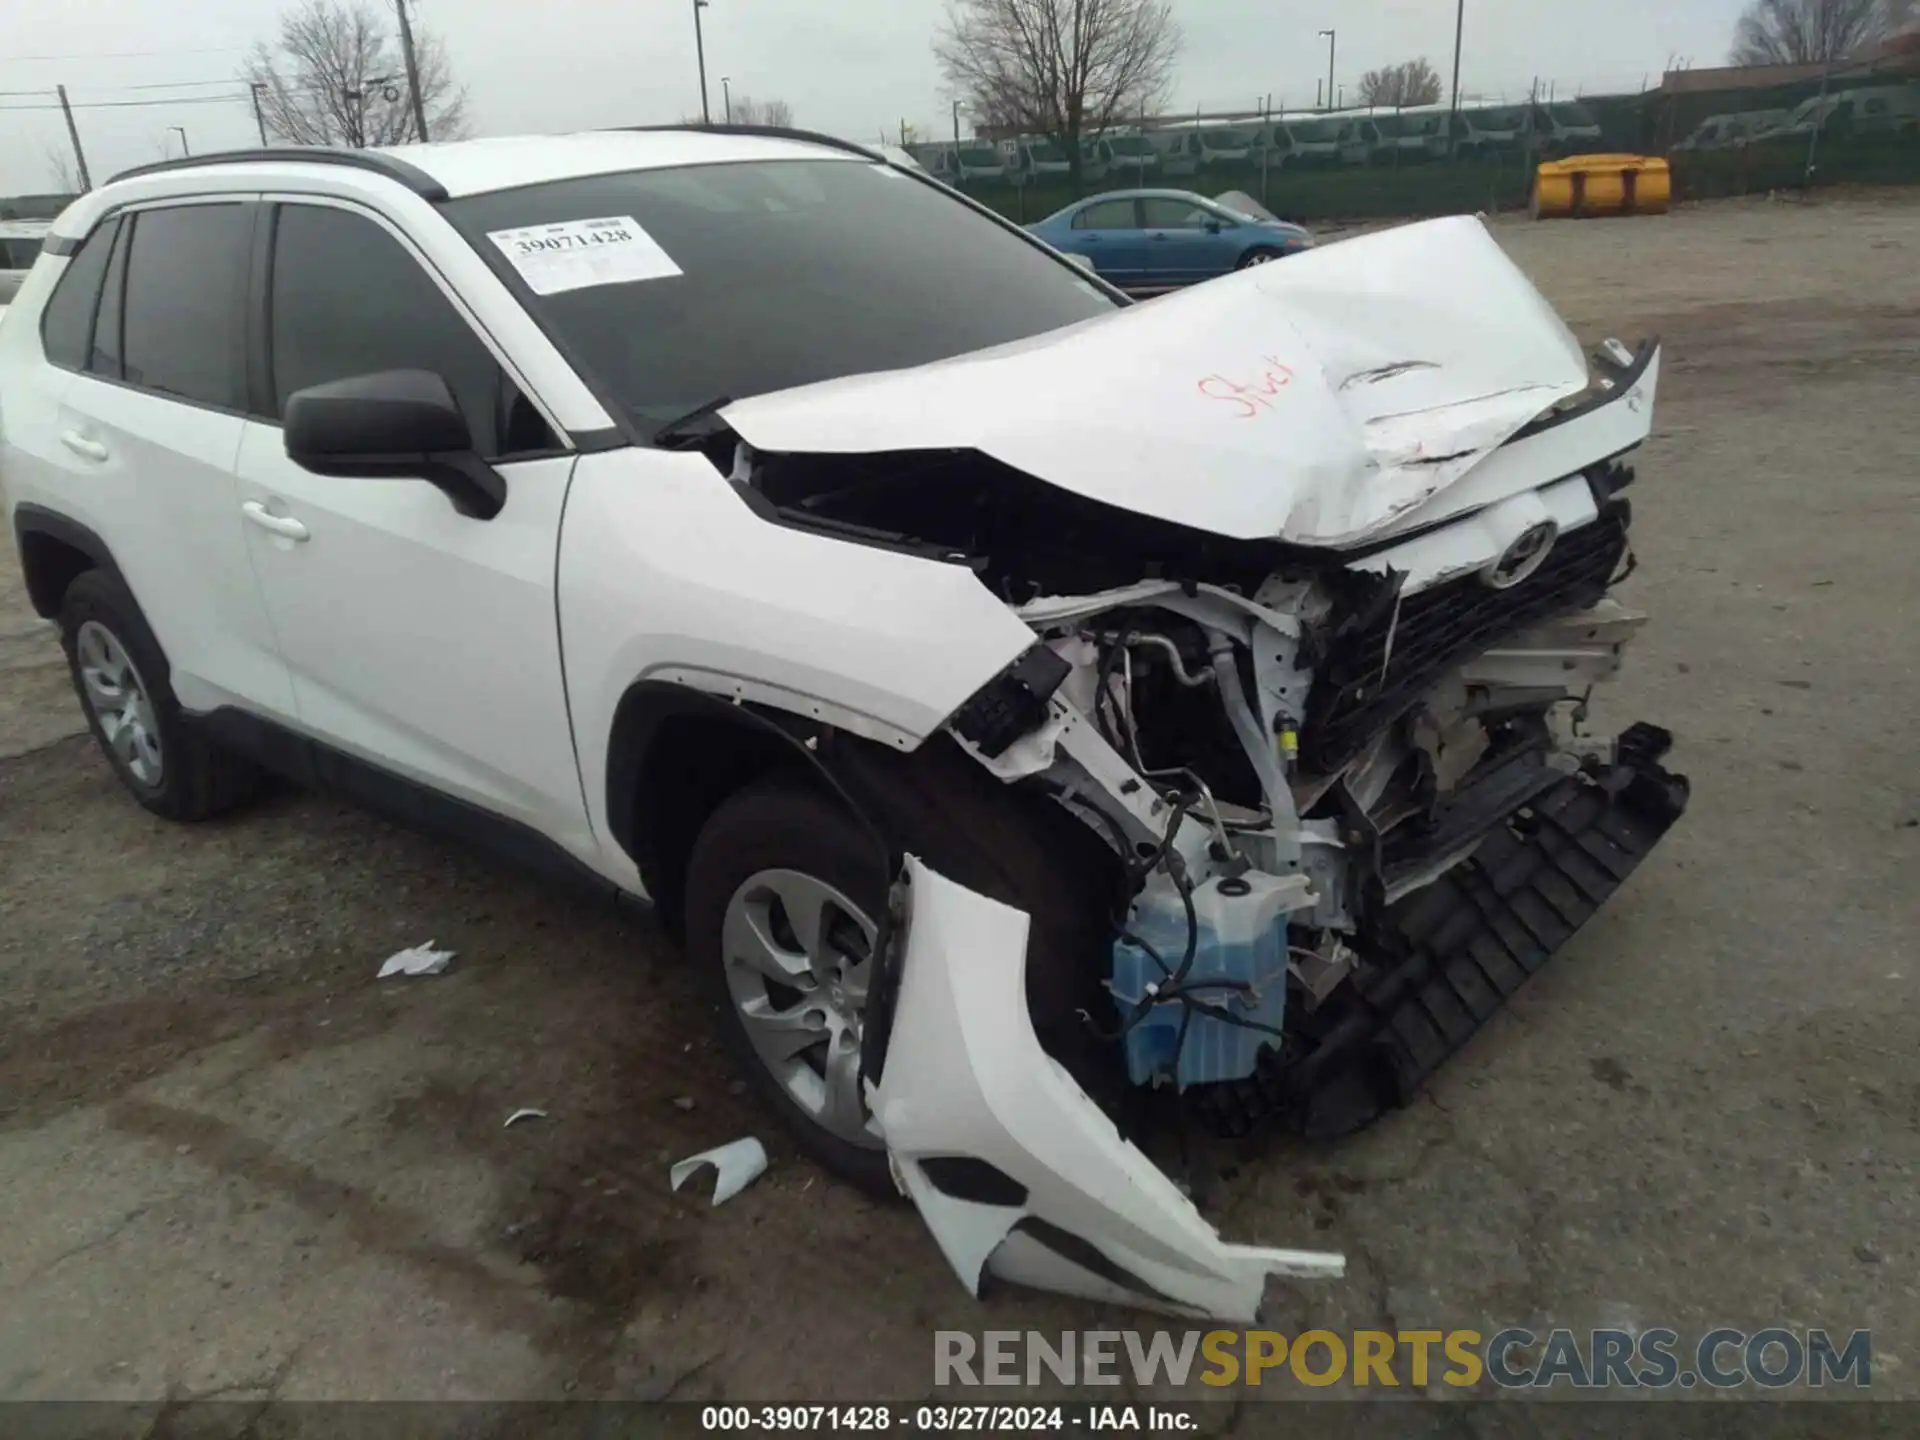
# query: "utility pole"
1813 140
700 52
413 71
1453 122
726 92
181 131
73 134
259 116
1330 44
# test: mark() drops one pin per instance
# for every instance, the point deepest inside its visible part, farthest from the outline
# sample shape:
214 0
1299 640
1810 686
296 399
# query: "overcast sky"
846 66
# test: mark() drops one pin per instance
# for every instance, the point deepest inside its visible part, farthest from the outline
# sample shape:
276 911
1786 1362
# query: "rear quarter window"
66 328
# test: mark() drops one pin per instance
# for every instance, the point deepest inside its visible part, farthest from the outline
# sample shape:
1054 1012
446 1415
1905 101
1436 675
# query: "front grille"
1360 685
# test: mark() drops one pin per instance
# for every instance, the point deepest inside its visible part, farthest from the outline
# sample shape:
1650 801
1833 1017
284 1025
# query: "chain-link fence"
1854 124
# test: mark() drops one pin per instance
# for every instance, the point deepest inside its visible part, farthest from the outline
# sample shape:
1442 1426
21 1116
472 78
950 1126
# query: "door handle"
284 526
80 445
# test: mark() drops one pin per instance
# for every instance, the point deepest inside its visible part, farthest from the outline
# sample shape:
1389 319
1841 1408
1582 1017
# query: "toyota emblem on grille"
1523 556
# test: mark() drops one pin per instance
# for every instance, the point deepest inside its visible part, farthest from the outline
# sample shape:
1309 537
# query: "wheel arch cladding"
674 757
54 552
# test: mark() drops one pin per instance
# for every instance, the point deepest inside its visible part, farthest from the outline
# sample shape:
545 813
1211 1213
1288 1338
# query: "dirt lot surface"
233 1164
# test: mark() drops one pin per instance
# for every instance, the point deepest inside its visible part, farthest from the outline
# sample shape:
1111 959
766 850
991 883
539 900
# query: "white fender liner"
1055 1197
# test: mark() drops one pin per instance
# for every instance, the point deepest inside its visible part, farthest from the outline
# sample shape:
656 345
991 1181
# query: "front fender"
667 575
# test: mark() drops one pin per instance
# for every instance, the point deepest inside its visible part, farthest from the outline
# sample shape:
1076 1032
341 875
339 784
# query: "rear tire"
125 688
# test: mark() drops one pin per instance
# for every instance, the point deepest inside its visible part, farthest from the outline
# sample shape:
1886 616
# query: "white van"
1120 155
1305 141
972 160
1191 149
1864 110
1484 132
1728 132
1565 127
1034 157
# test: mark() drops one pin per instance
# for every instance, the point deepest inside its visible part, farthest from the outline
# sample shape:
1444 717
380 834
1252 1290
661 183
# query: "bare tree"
1808 32
1412 82
748 111
336 76
60 164
1059 68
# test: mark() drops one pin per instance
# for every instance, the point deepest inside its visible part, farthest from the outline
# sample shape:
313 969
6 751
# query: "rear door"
420 640
1108 233
149 430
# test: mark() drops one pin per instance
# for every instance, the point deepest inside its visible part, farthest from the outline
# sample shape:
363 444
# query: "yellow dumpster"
1587 185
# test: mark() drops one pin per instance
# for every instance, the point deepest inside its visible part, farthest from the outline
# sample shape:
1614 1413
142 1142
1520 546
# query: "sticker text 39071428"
574 254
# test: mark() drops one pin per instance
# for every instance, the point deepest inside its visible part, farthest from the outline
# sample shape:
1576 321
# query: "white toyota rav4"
1040 715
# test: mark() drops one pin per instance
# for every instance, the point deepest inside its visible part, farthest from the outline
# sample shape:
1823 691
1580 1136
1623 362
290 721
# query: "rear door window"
66 329
185 293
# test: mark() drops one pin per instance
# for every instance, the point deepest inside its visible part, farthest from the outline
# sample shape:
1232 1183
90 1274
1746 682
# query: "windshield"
1313 132
1573 115
979 156
1044 152
1487 120
1226 139
1130 145
769 274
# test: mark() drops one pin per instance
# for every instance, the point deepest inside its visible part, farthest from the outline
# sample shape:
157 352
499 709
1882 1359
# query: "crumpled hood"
1315 400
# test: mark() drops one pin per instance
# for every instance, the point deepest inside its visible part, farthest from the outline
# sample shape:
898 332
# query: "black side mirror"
1213 227
396 424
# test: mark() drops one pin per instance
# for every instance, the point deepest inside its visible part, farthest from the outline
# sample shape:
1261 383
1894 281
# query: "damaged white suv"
1033 710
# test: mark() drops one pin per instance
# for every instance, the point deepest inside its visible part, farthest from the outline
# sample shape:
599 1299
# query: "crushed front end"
1362 800
1334 729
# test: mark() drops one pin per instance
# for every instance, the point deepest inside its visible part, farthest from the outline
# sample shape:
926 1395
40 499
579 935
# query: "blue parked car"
1160 239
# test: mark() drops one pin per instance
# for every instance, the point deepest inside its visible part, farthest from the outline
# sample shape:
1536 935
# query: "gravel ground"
233 1164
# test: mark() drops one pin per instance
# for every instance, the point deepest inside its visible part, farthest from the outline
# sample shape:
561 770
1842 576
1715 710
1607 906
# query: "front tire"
1259 255
784 890
125 687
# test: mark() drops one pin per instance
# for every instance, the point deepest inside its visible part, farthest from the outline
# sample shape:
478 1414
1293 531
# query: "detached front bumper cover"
1014 1168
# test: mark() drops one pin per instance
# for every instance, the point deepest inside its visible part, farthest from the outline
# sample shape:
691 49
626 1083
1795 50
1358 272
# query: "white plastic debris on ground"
419 960
736 1165
524 1114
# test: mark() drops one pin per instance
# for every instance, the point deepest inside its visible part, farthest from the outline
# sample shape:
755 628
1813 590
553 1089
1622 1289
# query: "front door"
1181 248
419 639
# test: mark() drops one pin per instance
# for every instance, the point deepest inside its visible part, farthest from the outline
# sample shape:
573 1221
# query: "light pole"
700 51
726 93
1453 123
1330 43
956 141
181 131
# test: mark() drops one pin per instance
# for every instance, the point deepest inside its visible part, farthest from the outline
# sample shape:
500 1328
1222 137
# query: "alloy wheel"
798 959
118 698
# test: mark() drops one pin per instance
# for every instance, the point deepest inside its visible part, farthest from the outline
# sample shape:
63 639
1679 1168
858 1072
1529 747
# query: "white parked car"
20 242
1008 693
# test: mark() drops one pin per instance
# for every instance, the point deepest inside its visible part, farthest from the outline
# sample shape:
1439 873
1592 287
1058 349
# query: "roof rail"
411 176
770 132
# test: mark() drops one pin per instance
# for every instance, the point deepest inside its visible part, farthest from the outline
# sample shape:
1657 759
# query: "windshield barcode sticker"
574 254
